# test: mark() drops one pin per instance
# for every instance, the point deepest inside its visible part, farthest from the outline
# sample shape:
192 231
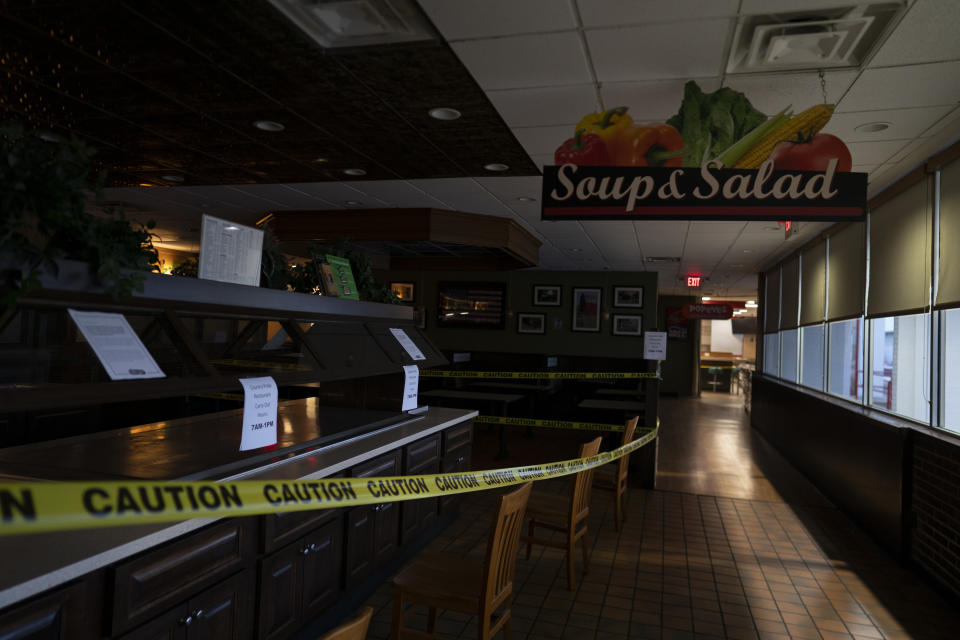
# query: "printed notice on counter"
411 381
259 413
230 252
655 345
409 346
116 344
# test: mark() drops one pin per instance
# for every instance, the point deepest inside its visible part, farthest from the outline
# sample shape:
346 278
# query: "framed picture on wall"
586 309
403 291
531 323
628 297
472 305
546 295
627 325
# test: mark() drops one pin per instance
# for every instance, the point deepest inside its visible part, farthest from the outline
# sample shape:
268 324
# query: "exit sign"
693 281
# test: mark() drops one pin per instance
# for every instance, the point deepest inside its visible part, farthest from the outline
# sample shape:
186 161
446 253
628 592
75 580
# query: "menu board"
230 252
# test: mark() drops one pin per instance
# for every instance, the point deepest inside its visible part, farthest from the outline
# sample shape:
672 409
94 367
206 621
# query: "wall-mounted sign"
655 345
707 311
694 281
717 158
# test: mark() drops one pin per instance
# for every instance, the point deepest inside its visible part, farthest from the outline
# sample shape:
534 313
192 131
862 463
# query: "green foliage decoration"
44 186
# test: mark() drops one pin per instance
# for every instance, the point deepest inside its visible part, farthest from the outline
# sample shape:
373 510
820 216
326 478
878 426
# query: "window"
788 355
771 354
951 370
811 362
900 365
846 359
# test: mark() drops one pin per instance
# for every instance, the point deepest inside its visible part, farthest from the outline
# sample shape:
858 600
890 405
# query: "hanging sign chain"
823 86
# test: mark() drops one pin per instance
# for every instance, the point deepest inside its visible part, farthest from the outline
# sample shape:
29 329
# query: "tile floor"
696 565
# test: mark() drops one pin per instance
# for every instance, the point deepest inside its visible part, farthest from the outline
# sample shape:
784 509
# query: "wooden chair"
565 515
355 629
449 581
613 477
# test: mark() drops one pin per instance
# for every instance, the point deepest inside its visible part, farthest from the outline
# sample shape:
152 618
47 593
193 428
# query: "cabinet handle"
314 547
461 460
186 621
198 613
305 551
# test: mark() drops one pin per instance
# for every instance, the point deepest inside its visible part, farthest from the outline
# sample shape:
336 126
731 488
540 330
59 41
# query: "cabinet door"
322 568
280 585
386 532
170 626
455 461
417 516
222 612
359 561
64 613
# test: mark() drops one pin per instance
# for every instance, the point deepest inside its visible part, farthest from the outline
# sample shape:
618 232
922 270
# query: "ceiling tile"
611 13
335 193
525 61
396 193
903 87
771 93
543 140
904 123
651 101
662 51
457 20
875 152
725 227
284 197
928 33
545 106
542 159
462 194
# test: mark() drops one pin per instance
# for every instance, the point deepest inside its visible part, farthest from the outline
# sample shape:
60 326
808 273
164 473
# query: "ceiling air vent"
358 23
840 37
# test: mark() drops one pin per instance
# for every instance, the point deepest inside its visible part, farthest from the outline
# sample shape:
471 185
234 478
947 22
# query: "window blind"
900 246
948 285
813 284
789 293
771 300
847 272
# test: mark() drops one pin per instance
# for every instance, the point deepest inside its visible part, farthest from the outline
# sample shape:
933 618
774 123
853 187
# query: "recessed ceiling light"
321 159
873 127
355 172
172 177
268 125
751 302
145 184
526 199
748 250
705 299
575 250
352 203
49 136
739 265
444 113
496 166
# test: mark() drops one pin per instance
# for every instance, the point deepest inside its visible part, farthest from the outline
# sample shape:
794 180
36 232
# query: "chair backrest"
580 489
356 629
502 546
624 463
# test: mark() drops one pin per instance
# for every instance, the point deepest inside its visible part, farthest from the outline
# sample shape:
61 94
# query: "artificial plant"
45 183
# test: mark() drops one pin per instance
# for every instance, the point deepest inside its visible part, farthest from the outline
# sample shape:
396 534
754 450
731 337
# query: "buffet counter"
262 576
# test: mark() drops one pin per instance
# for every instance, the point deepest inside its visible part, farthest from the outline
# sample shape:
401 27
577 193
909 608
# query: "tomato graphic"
812 154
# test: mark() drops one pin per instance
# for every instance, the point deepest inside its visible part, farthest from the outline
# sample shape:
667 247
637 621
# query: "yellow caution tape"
56 506
258 364
551 424
539 375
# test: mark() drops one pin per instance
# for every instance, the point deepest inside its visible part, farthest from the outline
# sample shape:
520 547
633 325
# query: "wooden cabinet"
372 532
158 580
457 443
222 612
300 581
66 613
416 516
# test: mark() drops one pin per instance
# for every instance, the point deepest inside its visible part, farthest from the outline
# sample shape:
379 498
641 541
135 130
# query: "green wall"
559 339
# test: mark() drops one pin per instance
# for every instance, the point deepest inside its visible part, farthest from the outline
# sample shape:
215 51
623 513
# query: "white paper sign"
655 345
230 252
259 413
118 347
411 380
408 344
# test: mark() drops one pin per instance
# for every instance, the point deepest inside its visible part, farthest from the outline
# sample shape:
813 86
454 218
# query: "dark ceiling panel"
174 87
